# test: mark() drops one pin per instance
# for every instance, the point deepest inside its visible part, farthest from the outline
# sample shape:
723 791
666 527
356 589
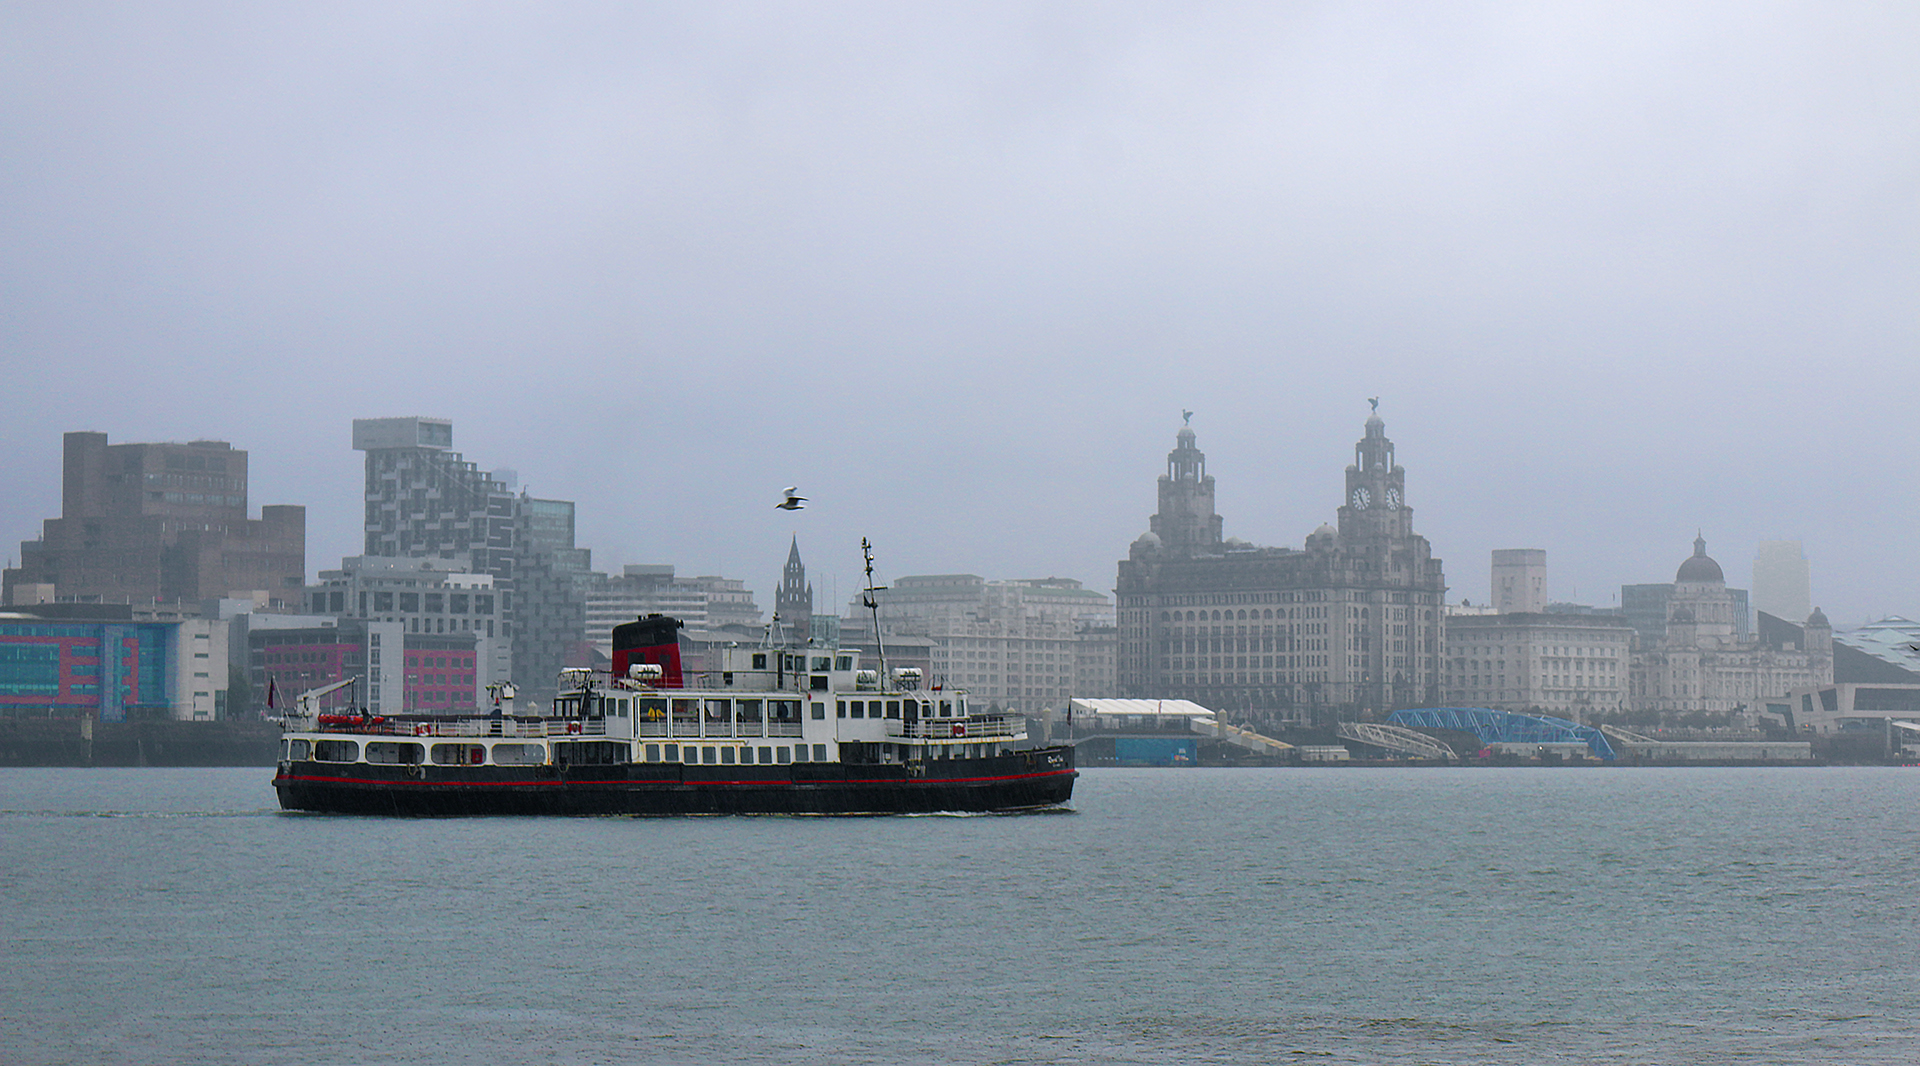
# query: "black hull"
1042 777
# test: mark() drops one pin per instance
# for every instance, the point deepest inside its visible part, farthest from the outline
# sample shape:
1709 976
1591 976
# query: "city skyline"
1462 587
1620 275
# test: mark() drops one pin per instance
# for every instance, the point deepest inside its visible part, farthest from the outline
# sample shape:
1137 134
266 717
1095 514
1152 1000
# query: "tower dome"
1700 567
1819 618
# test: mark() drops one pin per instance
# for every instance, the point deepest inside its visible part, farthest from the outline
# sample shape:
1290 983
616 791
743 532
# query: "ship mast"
872 603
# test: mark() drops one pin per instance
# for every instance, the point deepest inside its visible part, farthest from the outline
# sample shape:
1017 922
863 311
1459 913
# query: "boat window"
336 751
709 755
692 753
822 662
780 754
299 750
686 718
652 708
858 708
716 718
386 751
622 705
759 660
653 753
946 708
819 712
843 662
893 708
671 753
456 754
519 754
747 714
840 708
819 753
590 753
766 755
726 755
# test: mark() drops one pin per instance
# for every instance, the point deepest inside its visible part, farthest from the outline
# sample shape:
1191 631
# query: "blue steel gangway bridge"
1505 730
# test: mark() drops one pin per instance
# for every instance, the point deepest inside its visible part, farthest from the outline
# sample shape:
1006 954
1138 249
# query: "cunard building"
1347 626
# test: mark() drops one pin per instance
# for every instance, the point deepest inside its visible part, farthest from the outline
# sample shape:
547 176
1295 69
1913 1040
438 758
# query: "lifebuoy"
422 729
573 727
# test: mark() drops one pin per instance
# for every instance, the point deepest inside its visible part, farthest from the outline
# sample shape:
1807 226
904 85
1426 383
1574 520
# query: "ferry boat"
771 730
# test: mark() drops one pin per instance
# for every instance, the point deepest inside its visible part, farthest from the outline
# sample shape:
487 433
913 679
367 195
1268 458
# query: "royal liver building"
1349 626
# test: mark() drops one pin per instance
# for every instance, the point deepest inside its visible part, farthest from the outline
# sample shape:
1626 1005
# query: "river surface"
1345 915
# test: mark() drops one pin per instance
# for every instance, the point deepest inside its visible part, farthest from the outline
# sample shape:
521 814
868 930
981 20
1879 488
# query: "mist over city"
1394 528
1619 274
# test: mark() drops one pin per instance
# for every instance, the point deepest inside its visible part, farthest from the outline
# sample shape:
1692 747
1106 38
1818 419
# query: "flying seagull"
792 502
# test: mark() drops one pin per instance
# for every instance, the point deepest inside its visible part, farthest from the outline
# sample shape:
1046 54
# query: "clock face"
1361 497
1393 499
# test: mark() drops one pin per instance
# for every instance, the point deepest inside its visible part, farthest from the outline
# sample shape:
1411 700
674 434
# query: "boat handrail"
976 727
481 726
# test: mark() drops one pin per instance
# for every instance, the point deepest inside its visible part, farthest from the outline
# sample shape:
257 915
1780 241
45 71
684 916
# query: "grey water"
1172 916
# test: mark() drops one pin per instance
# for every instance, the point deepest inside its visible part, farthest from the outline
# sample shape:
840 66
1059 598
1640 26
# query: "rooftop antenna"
872 603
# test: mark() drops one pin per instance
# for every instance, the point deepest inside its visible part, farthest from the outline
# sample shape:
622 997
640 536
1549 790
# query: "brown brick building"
142 523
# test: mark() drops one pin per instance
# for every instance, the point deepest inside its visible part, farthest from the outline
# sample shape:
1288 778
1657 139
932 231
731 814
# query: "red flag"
272 693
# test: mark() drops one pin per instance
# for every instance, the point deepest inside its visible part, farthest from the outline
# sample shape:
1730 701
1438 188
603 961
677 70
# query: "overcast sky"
1618 271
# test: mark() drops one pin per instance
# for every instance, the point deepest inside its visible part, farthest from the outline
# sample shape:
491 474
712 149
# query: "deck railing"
978 727
524 728
533 728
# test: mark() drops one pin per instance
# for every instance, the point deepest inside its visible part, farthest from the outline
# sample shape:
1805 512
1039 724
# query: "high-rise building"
1519 580
1348 626
552 578
142 523
1782 581
424 500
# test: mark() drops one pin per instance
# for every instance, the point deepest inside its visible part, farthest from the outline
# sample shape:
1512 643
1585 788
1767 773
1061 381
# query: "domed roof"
1700 567
1819 618
1325 530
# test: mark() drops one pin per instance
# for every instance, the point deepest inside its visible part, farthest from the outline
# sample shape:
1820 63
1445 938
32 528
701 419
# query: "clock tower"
1376 502
1186 522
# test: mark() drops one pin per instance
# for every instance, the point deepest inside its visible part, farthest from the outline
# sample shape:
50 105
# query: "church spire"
794 600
